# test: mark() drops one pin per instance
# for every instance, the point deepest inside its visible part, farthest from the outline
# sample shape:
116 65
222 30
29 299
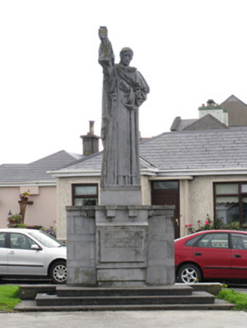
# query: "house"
232 112
200 167
33 177
202 172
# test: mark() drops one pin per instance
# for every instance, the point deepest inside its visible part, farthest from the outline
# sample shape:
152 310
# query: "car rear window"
214 240
192 241
239 241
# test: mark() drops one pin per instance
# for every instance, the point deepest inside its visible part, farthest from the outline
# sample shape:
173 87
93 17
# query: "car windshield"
46 239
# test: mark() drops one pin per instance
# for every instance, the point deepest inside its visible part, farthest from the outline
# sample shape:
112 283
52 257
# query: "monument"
120 242
124 91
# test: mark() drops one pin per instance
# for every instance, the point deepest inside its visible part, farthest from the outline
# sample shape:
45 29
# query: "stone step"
55 300
29 292
67 291
31 306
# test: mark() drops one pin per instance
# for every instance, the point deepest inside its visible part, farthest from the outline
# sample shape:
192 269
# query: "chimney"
90 142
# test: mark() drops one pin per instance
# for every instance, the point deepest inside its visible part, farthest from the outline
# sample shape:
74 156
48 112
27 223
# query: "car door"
3 254
239 255
22 259
213 254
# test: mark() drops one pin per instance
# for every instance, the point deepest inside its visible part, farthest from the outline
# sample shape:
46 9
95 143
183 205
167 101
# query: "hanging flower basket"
24 196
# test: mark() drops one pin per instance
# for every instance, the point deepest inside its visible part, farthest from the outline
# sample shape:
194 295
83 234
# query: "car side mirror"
35 247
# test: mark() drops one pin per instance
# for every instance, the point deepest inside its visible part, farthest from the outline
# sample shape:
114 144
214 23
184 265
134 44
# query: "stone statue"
124 90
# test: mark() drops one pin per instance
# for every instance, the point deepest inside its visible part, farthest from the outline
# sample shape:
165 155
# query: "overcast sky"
51 83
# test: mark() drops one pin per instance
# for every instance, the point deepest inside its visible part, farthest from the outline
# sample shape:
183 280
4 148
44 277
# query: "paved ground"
152 319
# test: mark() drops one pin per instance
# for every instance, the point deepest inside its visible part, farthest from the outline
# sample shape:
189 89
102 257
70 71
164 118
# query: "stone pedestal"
125 196
120 245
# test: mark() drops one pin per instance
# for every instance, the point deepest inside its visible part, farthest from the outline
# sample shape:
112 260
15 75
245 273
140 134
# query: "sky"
51 83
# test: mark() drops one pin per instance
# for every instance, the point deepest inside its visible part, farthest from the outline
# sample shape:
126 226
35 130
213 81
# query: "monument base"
121 196
120 245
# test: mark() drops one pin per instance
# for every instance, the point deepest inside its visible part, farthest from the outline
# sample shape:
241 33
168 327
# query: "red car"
210 255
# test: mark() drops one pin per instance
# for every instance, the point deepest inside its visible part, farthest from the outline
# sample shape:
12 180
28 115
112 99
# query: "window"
45 239
19 241
231 202
193 241
214 240
2 239
165 185
239 241
85 195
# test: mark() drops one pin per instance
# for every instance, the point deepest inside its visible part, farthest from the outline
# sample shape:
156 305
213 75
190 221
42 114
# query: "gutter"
29 184
93 173
155 173
200 172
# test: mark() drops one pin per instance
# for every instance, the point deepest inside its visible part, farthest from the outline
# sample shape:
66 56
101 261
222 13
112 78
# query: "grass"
240 299
8 297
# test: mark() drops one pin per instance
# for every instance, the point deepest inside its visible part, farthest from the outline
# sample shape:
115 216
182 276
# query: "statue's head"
126 55
103 32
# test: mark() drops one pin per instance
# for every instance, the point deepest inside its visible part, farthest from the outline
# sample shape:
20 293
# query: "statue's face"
125 58
102 34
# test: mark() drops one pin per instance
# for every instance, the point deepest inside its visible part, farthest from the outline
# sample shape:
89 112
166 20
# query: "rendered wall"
42 212
197 199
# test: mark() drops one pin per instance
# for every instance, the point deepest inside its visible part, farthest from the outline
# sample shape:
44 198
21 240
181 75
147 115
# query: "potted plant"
15 220
24 196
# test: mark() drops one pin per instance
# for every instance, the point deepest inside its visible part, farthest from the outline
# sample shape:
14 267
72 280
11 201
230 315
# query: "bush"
51 231
214 225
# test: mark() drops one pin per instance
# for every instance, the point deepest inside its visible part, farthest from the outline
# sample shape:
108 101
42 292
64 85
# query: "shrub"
50 231
214 225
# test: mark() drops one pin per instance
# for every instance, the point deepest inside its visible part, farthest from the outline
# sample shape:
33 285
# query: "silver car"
28 252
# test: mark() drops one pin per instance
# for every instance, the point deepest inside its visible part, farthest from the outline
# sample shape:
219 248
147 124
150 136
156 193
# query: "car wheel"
58 272
189 274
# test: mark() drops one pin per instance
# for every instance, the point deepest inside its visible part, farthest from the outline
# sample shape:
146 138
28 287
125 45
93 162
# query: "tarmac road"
131 319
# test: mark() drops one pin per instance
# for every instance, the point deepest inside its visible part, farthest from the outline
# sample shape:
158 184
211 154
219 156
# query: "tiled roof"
35 171
179 124
186 152
233 99
193 150
207 122
94 162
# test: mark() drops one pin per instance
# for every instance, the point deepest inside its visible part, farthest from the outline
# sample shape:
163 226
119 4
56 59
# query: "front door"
167 193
